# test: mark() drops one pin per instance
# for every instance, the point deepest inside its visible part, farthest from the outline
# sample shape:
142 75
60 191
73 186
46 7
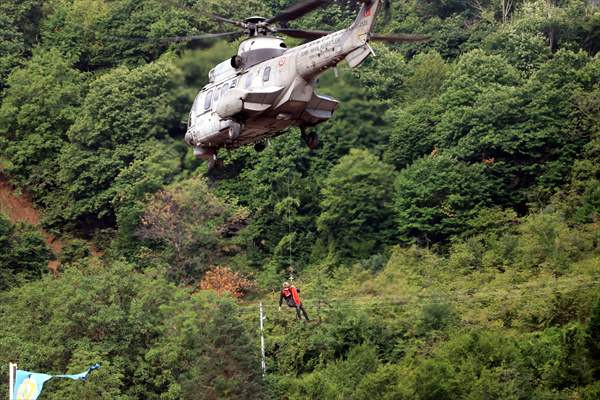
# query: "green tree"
19 27
100 34
385 74
123 111
141 178
189 224
547 241
357 210
39 106
593 339
411 132
524 50
524 131
436 196
428 73
279 190
24 255
559 21
153 340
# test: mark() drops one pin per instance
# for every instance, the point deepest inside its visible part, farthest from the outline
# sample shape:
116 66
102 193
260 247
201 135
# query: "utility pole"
12 370
262 342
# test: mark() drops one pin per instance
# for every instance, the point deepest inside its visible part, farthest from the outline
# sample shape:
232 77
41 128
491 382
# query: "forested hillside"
445 233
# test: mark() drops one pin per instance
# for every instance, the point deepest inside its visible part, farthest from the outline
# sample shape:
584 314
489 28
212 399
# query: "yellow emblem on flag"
27 390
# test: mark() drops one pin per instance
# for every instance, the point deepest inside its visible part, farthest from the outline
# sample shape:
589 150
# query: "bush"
184 224
223 280
24 254
357 211
437 196
74 250
545 241
153 340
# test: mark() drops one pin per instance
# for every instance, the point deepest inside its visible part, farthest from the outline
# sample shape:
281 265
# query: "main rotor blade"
171 39
219 18
400 38
297 10
199 37
303 34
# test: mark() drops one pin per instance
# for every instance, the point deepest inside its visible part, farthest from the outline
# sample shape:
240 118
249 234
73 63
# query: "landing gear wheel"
234 131
311 140
260 146
211 164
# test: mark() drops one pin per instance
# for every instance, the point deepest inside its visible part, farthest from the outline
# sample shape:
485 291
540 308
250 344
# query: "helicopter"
267 87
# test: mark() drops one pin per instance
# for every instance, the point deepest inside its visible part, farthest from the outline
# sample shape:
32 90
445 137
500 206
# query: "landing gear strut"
311 139
215 163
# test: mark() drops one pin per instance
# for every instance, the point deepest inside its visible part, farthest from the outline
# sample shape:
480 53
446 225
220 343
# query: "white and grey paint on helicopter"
266 87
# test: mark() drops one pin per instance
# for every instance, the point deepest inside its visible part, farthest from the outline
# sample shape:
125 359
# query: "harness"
291 296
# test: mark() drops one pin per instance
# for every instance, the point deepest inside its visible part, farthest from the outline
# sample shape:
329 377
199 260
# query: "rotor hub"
256 19
257 26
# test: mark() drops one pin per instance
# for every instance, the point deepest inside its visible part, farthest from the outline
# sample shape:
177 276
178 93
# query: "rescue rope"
289 199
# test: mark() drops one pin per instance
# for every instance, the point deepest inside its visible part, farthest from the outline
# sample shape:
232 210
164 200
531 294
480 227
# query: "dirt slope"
20 208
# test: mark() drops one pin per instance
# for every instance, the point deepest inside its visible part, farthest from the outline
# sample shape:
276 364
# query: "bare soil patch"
19 208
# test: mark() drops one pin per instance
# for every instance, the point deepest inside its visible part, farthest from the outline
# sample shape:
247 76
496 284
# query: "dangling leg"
304 312
298 316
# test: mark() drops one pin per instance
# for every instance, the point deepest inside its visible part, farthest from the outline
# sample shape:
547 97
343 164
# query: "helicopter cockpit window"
266 74
207 100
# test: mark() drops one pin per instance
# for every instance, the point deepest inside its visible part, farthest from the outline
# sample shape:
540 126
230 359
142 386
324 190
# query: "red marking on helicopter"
281 62
368 11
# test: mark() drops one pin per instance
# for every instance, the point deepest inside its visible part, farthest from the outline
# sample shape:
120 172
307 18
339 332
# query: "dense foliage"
135 325
446 231
23 254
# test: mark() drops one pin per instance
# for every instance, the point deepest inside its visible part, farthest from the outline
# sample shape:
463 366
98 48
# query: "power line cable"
454 297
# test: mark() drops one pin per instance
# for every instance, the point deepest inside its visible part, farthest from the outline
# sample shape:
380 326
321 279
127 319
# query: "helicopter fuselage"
260 99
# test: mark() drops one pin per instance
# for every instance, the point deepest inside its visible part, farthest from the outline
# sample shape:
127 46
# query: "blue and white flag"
28 385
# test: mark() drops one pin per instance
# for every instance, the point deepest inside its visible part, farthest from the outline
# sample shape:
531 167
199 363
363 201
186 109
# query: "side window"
196 108
208 100
266 74
225 89
233 83
248 80
217 92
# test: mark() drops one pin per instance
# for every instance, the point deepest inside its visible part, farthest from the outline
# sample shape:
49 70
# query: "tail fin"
363 25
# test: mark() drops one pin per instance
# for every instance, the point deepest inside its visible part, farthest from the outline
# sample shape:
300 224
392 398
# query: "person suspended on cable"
289 293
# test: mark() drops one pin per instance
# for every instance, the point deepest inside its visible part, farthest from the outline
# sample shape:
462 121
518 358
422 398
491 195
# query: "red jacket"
291 296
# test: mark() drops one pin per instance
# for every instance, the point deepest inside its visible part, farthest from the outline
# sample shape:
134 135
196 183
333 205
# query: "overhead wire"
365 302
